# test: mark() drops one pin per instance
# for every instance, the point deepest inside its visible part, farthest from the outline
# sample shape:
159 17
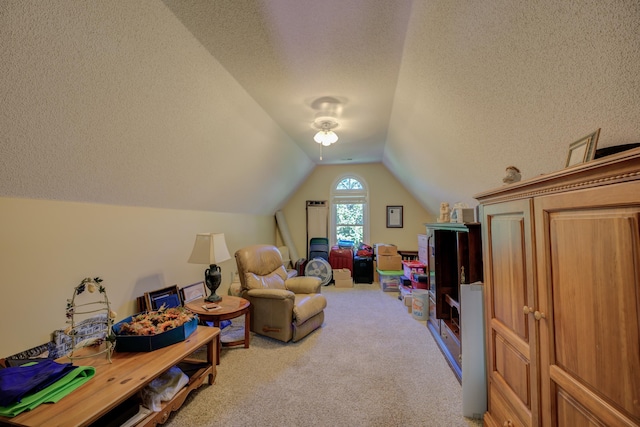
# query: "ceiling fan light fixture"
325 136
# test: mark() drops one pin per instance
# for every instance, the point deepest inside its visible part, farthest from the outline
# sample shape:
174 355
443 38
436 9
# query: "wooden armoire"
561 257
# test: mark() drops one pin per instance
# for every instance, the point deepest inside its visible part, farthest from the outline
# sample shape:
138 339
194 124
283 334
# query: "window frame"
339 196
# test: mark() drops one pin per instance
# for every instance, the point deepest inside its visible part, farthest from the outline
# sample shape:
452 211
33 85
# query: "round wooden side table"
228 308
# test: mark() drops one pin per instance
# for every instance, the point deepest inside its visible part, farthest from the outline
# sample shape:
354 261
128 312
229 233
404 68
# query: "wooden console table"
113 383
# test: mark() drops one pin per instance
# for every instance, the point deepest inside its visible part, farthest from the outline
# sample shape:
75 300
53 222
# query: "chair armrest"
304 284
270 293
291 273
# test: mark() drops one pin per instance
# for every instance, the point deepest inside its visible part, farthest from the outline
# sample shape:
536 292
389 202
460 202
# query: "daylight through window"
349 210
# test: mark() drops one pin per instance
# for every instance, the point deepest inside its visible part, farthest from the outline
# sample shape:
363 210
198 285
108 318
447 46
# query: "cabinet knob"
527 310
539 315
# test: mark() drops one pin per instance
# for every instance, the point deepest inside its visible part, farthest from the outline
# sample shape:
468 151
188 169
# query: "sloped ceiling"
208 104
301 59
484 85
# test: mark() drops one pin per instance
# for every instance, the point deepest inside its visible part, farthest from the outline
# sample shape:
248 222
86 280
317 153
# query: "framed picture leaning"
583 150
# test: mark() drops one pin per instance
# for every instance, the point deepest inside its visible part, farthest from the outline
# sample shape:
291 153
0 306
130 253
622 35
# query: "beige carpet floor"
371 364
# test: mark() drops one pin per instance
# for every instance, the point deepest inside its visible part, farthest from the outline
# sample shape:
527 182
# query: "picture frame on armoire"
583 150
394 217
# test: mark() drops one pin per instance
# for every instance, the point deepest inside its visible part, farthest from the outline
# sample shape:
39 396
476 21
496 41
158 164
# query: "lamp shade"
209 248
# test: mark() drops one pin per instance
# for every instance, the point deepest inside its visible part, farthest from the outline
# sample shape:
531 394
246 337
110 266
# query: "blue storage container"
129 343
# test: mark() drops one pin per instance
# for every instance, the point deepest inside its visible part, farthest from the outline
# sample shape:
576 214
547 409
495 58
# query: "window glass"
349 210
350 222
349 184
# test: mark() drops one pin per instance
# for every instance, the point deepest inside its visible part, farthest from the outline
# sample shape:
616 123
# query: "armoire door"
588 252
509 272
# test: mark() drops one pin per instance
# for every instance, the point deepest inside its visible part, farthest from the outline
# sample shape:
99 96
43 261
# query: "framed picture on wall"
394 217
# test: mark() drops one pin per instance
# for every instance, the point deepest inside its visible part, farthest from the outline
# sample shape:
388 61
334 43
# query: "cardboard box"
137 343
341 274
344 283
420 281
386 249
405 294
405 281
389 262
411 267
407 300
419 285
376 279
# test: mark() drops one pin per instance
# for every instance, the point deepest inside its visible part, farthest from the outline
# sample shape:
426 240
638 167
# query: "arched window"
350 210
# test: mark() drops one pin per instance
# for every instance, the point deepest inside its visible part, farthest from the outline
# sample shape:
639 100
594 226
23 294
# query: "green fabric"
51 394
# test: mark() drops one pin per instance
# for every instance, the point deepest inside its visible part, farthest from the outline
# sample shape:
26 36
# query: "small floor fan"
319 267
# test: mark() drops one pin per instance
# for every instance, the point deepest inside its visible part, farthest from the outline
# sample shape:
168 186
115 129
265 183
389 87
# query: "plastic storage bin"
390 280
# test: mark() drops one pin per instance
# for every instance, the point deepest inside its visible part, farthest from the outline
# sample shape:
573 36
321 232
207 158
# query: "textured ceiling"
299 59
208 104
446 94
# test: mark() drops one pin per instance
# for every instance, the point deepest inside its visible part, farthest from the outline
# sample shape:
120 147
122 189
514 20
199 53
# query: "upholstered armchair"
282 307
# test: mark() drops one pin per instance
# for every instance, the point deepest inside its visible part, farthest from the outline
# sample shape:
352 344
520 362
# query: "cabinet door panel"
589 293
501 412
509 279
571 413
513 368
509 282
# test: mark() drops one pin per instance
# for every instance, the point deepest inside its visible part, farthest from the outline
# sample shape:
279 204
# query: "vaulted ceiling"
446 94
209 105
303 59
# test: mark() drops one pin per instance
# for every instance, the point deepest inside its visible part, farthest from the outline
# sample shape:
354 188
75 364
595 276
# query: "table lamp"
210 248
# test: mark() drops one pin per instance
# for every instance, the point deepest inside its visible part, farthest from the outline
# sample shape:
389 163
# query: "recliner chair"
284 308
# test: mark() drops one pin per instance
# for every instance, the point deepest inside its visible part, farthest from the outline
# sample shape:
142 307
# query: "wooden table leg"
210 356
247 327
216 323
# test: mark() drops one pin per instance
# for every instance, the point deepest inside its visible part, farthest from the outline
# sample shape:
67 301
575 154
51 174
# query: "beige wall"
48 247
384 190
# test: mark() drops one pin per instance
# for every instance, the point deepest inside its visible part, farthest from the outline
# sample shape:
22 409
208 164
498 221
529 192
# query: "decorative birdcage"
96 318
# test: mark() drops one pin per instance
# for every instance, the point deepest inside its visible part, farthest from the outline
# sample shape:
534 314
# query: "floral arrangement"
155 322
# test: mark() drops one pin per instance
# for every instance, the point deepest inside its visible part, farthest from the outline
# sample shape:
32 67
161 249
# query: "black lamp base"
213 298
213 278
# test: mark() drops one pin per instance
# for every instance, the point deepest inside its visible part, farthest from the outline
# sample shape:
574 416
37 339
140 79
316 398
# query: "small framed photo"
193 292
169 296
394 217
583 150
